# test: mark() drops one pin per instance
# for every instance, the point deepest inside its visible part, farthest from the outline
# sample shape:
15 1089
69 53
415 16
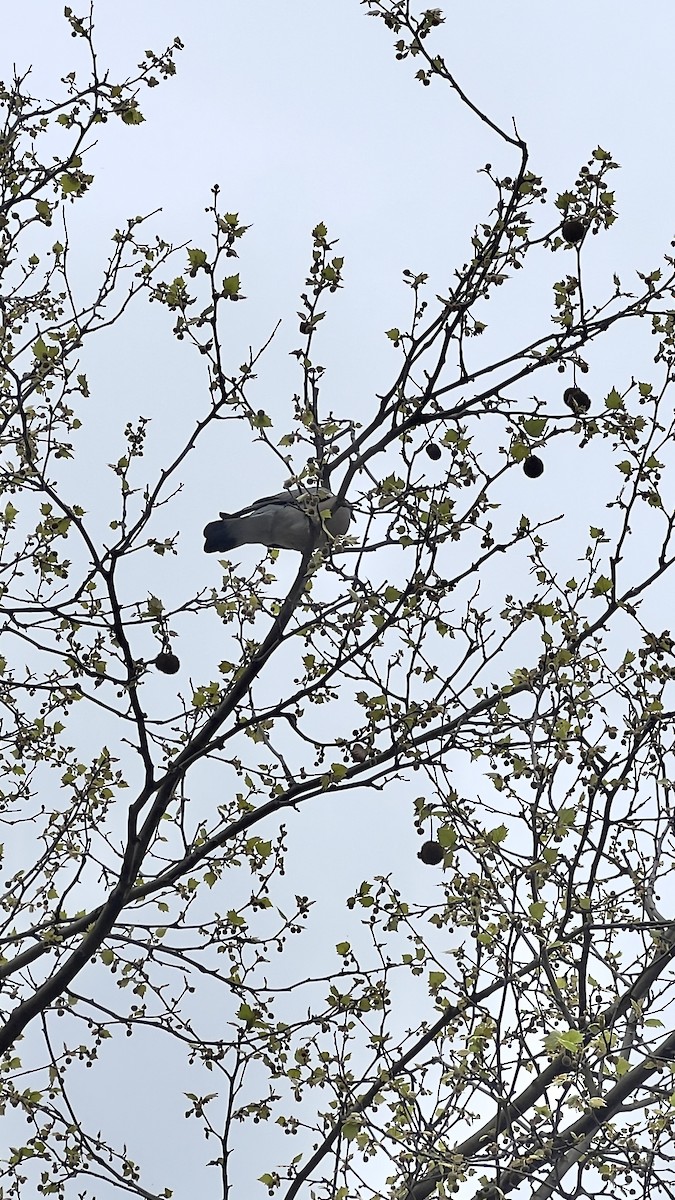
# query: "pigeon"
286 521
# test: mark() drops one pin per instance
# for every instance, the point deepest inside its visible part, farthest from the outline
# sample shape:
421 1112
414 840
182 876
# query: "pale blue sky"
299 111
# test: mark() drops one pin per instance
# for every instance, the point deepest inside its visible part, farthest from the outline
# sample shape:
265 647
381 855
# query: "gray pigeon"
286 521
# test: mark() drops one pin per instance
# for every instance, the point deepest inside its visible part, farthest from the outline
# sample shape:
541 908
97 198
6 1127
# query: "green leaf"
343 948
249 1015
231 286
197 257
571 1039
544 610
537 910
351 1127
132 116
497 835
564 200
447 837
565 819
613 400
602 586
70 184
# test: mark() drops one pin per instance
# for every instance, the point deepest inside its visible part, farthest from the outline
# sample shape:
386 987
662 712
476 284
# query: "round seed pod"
167 663
573 230
577 400
431 854
533 467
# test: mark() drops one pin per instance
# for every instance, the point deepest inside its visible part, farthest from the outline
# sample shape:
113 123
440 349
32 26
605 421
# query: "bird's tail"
218 537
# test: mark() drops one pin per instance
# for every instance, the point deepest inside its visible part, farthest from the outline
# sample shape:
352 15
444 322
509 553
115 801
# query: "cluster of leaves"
505 1027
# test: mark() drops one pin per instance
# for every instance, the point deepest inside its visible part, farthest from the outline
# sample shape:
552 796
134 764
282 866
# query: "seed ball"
577 400
533 467
573 230
167 663
433 451
431 854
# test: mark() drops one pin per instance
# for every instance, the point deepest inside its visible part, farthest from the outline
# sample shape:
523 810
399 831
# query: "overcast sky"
298 109
301 113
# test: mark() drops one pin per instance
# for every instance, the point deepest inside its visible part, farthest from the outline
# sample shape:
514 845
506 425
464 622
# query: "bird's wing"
290 498
281 499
